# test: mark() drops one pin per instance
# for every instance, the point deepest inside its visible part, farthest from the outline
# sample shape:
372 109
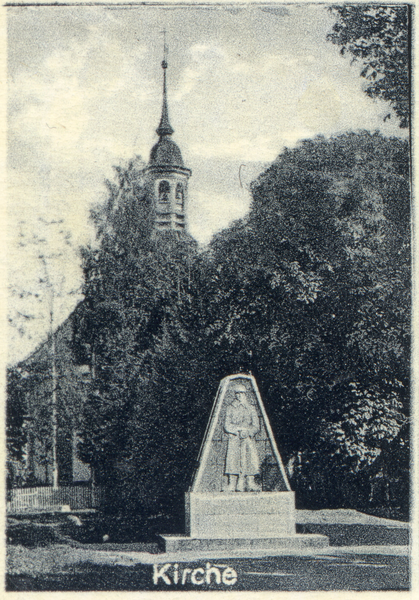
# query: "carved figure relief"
242 460
239 453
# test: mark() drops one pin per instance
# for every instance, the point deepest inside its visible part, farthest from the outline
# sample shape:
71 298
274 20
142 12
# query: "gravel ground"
42 556
61 567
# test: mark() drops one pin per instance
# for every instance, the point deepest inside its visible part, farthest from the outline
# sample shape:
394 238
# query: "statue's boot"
240 484
232 481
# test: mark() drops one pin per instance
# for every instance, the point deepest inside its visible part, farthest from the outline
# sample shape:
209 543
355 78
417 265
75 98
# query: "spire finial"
164 127
165 50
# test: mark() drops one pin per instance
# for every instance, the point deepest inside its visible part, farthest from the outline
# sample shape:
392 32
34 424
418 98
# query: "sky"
84 95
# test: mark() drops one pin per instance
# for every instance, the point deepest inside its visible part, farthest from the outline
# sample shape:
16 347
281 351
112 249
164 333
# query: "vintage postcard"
209 297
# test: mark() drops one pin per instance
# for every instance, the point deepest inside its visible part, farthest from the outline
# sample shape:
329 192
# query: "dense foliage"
136 287
310 293
378 37
313 294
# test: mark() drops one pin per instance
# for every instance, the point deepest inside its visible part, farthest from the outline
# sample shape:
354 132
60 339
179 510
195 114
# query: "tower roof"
166 152
164 127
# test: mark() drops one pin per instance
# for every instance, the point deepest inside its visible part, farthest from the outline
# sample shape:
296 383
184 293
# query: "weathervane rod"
165 50
164 128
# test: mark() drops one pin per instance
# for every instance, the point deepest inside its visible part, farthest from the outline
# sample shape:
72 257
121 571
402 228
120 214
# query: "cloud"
260 148
278 11
320 106
204 60
68 125
61 105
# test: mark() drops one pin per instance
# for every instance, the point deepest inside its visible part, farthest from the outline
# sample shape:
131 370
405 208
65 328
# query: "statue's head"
240 392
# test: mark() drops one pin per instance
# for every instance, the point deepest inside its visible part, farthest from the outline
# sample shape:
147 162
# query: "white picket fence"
48 499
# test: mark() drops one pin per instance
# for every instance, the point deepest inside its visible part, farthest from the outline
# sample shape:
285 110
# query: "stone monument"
240 499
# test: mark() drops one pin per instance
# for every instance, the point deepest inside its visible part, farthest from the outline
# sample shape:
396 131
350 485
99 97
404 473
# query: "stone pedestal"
240 515
240 524
241 547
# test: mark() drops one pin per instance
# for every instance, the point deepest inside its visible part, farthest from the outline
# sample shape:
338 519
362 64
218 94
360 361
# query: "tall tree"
136 288
320 312
378 37
46 244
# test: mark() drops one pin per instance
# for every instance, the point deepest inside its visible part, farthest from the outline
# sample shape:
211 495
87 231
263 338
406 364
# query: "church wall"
71 393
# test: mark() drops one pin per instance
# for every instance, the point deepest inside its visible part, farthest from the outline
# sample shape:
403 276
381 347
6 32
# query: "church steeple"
167 177
164 128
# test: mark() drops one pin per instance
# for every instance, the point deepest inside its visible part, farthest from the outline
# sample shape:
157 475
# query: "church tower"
166 175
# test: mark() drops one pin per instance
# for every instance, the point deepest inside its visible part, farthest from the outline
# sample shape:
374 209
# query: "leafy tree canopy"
309 292
377 36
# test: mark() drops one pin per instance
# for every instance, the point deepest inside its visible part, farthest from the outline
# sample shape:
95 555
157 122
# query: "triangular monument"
223 449
240 500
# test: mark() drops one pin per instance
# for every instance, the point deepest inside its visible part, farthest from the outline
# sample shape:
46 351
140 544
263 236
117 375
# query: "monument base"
247 515
242 546
240 524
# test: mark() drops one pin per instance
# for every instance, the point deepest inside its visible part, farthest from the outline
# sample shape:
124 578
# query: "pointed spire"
164 127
